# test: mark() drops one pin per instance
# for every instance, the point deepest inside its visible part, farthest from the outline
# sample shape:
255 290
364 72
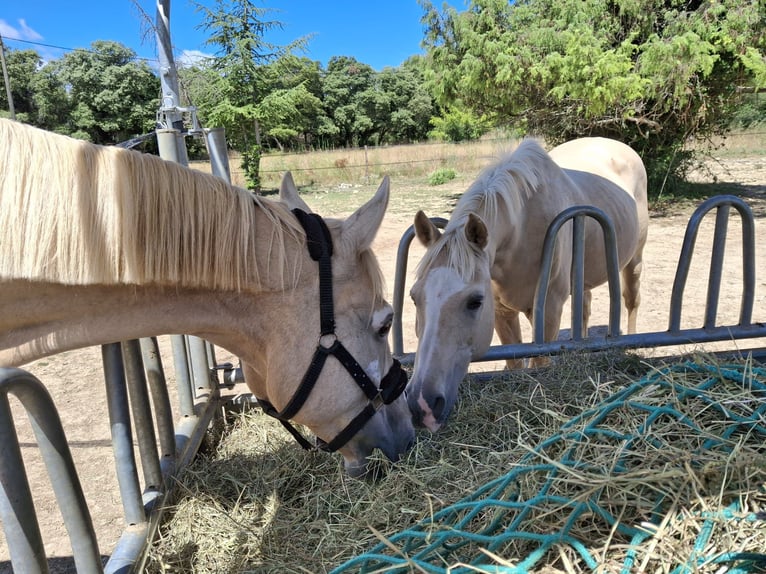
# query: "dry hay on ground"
258 503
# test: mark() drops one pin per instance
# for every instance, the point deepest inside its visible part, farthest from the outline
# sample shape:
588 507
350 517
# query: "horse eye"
474 302
383 331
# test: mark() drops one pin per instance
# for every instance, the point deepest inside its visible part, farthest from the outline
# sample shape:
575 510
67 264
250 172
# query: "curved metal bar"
16 507
612 266
722 203
400 278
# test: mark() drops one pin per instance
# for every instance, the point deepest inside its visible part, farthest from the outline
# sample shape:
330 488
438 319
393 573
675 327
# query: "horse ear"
425 229
288 194
362 225
476 231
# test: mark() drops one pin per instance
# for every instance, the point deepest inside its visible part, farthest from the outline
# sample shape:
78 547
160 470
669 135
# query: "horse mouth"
425 416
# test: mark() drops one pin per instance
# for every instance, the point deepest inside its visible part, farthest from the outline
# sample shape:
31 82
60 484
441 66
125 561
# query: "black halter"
319 243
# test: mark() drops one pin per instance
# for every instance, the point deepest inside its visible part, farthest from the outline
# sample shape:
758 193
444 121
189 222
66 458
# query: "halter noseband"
319 243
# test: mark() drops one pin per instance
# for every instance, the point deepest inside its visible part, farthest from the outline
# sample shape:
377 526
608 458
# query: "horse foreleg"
508 330
587 298
631 283
553 309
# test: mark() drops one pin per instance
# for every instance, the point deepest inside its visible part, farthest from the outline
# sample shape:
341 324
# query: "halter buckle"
328 341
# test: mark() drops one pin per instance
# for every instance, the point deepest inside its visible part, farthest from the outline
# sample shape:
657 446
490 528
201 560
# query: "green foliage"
251 162
457 125
112 96
652 73
38 97
104 94
254 99
441 176
751 112
262 94
350 100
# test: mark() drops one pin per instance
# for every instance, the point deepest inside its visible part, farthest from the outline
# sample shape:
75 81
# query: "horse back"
609 175
608 158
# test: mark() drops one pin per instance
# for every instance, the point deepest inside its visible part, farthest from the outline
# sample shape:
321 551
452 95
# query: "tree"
652 73
21 65
291 112
39 97
237 29
112 96
409 104
344 83
456 124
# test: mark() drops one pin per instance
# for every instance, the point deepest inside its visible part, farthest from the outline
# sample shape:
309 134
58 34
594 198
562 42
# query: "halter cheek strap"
319 243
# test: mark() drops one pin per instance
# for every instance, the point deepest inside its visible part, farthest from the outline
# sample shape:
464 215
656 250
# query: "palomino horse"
485 265
101 244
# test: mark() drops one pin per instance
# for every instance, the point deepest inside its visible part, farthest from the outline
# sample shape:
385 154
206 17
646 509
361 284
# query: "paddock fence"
708 332
147 461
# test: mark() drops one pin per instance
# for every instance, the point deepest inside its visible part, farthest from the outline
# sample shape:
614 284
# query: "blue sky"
378 33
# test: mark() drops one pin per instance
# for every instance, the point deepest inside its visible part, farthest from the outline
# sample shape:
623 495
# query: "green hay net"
609 476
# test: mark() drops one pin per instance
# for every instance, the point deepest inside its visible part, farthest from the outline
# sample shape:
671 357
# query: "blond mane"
77 213
506 184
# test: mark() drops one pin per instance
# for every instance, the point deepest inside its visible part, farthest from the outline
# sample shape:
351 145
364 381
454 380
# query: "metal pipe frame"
17 511
709 332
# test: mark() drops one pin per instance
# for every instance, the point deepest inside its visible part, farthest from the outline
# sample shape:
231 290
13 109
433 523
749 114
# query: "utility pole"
7 80
169 135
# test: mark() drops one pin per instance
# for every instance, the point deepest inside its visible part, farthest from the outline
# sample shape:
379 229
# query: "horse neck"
49 318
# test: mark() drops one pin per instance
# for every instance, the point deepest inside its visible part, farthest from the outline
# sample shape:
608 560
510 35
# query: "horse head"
454 314
348 386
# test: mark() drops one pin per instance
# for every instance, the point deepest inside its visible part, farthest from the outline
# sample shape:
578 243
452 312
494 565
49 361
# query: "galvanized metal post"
143 421
219 154
163 412
122 437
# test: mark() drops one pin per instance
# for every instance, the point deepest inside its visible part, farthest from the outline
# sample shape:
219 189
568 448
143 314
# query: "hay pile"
259 503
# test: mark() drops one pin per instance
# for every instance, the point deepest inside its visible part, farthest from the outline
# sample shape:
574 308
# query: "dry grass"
261 504
750 143
358 166
349 167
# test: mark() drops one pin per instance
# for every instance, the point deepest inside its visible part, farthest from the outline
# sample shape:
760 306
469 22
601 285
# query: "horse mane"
505 184
78 213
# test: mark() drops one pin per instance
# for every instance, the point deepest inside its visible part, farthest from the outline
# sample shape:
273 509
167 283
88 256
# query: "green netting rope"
451 535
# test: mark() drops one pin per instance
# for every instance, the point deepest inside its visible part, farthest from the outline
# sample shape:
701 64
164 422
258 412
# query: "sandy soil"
76 384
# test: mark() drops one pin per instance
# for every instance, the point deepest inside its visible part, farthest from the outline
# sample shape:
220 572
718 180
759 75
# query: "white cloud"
20 32
191 58
29 33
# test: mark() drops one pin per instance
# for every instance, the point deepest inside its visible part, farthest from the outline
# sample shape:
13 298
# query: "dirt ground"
75 379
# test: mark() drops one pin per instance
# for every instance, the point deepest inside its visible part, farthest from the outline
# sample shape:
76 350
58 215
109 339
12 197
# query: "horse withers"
101 244
483 269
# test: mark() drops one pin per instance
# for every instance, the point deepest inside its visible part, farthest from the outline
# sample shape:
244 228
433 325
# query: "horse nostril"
438 407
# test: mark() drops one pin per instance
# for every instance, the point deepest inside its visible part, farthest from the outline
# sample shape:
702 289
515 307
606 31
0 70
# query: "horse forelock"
501 189
77 213
454 251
